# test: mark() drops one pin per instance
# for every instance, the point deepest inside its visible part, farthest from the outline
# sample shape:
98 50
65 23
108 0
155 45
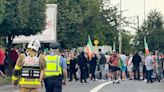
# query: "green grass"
5 81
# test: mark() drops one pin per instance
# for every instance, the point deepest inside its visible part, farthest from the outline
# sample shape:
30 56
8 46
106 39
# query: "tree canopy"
22 17
80 18
153 30
2 10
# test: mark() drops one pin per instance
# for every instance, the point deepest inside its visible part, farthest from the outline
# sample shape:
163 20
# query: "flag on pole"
89 48
146 47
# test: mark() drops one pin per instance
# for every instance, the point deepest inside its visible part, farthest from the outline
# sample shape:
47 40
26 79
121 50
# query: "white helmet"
34 44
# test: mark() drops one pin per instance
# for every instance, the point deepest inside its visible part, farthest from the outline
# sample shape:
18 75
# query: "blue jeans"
149 74
53 84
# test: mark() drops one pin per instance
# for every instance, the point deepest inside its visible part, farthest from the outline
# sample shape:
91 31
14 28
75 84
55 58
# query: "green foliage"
155 40
23 17
73 16
2 10
79 18
153 30
127 46
154 20
2 41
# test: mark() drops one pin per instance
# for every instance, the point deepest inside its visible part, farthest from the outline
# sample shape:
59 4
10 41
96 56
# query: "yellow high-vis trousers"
28 90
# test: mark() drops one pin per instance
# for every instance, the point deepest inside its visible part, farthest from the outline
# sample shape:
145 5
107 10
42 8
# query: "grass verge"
5 81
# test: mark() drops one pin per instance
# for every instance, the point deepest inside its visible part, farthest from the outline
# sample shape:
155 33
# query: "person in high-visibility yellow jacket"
29 69
56 69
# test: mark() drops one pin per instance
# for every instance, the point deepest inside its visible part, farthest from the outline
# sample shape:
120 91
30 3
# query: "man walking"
102 62
82 61
149 67
113 61
73 67
56 68
136 62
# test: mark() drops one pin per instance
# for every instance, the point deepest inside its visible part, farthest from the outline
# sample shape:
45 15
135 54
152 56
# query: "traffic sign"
96 42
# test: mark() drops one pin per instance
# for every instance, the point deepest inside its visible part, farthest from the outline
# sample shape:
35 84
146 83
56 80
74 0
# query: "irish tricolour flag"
146 47
89 48
121 64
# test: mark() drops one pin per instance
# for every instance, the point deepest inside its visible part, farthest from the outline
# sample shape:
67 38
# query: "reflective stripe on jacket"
53 67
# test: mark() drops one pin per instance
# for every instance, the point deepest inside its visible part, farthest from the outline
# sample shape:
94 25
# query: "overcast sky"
136 7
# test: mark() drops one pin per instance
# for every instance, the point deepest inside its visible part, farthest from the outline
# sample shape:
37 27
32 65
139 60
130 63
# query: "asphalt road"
124 86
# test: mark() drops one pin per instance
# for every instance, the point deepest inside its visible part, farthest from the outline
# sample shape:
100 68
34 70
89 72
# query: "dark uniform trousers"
53 84
83 75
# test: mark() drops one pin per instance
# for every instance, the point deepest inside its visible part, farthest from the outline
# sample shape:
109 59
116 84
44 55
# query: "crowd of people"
103 66
55 67
13 56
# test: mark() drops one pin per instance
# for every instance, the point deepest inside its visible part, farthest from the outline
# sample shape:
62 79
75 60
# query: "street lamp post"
138 23
144 11
120 35
114 44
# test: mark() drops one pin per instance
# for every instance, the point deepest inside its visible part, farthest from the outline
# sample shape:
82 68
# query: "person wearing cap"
56 69
29 69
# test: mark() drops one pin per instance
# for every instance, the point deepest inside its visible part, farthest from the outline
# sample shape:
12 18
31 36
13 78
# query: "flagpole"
120 35
144 11
114 46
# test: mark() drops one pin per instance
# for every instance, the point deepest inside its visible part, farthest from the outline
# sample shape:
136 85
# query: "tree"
22 17
72 16
153 30
2 15
127 40
2 10
110 24
79 18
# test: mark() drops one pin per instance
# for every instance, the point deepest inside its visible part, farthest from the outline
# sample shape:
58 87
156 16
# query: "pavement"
107 86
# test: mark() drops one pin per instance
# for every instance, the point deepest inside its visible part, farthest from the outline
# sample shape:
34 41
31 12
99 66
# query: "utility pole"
138 23
114 44
144 10
120 35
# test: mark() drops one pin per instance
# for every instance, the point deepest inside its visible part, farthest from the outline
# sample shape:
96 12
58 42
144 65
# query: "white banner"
49 34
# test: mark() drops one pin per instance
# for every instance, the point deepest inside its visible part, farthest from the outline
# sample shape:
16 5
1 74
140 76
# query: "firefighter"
29 70
56 69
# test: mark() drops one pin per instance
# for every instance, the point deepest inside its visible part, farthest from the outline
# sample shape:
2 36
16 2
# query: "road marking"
97 88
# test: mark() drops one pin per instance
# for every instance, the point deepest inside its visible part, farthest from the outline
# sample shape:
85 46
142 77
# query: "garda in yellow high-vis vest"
53 67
